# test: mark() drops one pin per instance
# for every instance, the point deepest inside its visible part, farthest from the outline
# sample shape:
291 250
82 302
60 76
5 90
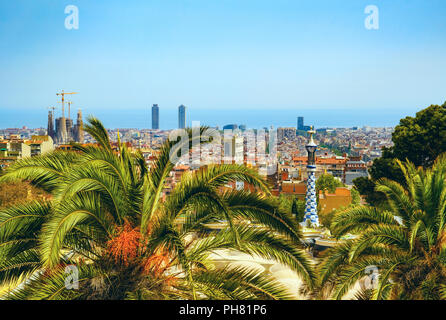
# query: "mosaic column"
311 196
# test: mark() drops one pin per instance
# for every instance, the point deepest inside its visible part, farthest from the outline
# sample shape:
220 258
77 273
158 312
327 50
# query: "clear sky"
222 55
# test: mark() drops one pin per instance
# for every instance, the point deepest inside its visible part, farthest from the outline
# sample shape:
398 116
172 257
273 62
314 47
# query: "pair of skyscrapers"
156 117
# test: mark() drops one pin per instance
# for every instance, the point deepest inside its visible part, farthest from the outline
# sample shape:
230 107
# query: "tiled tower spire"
311 196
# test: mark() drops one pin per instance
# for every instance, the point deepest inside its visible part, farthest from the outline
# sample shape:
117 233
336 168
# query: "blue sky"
224 55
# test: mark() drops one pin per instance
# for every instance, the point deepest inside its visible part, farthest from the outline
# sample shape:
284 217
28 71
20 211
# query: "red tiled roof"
321 160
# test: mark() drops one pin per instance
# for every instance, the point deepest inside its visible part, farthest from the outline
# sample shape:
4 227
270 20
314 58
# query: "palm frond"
240 283
97 130
44 171
357 219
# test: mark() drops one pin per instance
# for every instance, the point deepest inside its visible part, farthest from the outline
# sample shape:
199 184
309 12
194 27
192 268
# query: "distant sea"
141 118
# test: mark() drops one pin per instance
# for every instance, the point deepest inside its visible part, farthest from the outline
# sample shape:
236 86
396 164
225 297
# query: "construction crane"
63 100
69 107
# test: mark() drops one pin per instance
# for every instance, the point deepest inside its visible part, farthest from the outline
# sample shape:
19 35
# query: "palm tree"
107 217
407 243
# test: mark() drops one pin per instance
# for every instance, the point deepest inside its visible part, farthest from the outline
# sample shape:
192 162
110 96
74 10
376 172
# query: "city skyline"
168 118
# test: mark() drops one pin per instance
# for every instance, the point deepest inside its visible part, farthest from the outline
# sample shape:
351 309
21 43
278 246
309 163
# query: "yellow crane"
62 94
69 107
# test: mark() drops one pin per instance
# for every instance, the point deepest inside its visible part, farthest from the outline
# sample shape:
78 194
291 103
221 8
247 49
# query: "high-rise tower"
300 123
50 127
311 196
181 117
79 128
155 117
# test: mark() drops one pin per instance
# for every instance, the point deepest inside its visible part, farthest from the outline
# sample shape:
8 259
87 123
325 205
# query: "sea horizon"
140 118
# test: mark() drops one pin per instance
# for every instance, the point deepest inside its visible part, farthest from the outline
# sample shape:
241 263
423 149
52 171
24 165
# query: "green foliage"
298 209
405 242
356 197
327 182
18 192
285 202
366 187
240 284
327 218
420 139
337 150
308 224
294 205
106 216
386 167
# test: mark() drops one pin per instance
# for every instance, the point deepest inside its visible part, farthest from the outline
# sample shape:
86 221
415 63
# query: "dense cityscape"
174 152
314 172
344 153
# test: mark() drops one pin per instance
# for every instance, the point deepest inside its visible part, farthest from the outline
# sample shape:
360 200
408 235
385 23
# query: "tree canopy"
420 139
327 182
405 242
106 218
